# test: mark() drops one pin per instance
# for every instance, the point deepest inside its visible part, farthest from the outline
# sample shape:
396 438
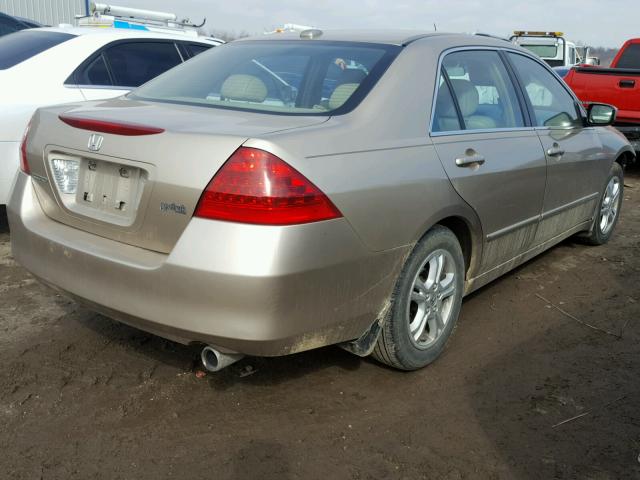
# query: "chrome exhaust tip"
214 360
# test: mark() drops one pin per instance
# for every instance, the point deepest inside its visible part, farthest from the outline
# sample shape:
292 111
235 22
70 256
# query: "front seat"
468 100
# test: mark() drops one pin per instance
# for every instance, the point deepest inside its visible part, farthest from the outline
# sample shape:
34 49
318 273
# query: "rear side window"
630 58
135 63
552 105
445 115
17 47
8 26
485 95
95 73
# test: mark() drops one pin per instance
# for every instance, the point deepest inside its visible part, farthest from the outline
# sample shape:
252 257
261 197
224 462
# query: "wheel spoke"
436 266
440 321
615 196
437 324
447 286
419 297
418 325
420 287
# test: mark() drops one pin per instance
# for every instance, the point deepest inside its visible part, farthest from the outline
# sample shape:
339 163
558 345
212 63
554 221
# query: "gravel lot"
82 396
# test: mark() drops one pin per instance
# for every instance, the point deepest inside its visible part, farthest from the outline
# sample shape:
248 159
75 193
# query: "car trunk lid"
138 189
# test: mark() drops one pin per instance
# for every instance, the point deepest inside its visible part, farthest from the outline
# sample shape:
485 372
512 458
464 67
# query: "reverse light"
115 128
255 186
65 173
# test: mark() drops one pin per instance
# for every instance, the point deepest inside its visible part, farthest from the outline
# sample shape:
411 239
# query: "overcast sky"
597 22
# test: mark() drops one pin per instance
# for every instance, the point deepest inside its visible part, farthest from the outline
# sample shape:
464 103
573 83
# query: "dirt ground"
82 396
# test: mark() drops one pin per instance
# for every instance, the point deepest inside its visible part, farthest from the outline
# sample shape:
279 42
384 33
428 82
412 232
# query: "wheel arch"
467 229
626 157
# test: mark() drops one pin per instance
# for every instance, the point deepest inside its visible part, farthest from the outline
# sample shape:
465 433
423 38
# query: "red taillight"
254 186
116 128
24 163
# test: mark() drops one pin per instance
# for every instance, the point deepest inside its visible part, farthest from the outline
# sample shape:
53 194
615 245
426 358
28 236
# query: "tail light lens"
24 163
257 187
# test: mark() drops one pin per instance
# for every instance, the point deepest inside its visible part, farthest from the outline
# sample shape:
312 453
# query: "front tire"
425 304
608 210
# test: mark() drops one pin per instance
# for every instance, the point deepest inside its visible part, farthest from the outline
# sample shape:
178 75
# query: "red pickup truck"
618 85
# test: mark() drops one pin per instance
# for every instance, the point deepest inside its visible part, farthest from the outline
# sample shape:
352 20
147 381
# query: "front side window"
552 105
17 47
485 95
275 76
135 63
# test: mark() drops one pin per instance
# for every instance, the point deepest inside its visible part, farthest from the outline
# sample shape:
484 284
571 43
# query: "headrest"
244 88
467 95
341 94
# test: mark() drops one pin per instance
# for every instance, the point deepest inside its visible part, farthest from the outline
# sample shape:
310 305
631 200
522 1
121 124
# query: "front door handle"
627 83
555 151
470 160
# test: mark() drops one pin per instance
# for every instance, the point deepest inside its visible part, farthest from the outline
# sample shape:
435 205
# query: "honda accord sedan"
284 193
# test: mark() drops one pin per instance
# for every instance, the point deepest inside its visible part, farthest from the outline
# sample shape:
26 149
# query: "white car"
47 66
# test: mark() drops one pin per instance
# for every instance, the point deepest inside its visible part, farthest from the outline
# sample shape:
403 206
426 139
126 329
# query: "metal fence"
47 12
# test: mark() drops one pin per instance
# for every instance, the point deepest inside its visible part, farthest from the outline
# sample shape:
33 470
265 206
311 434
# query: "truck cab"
552 47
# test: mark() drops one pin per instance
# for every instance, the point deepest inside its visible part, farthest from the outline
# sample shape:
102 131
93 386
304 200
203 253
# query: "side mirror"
601 115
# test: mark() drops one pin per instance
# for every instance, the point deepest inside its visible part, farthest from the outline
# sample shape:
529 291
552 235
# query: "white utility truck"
554 48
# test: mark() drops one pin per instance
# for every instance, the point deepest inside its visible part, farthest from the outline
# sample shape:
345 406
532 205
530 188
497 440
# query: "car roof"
389 36
118 33
386 36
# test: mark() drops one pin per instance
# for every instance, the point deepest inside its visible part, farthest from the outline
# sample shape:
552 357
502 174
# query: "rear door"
124 65
489 150
575 164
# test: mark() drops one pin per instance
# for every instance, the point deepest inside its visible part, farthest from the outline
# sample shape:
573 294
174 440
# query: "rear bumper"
256 290
9 163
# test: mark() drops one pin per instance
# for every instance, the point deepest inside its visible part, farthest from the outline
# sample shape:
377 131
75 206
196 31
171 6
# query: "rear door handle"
555 151
470 160
627 83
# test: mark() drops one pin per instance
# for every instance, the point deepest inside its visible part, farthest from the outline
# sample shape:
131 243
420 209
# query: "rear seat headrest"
244 88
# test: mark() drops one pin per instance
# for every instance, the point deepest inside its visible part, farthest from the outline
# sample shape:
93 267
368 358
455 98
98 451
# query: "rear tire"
425 304
608 210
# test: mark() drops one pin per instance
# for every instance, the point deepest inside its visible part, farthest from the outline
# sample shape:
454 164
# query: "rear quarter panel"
378 164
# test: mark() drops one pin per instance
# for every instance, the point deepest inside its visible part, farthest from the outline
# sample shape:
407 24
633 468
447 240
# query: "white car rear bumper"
9 163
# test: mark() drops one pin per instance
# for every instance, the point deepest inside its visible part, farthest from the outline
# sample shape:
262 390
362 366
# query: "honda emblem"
95 142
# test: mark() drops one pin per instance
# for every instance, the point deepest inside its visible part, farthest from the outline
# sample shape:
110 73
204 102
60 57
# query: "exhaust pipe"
214 360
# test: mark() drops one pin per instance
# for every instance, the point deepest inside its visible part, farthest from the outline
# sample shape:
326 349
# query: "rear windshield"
543 51
294 78
630 58
17 47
